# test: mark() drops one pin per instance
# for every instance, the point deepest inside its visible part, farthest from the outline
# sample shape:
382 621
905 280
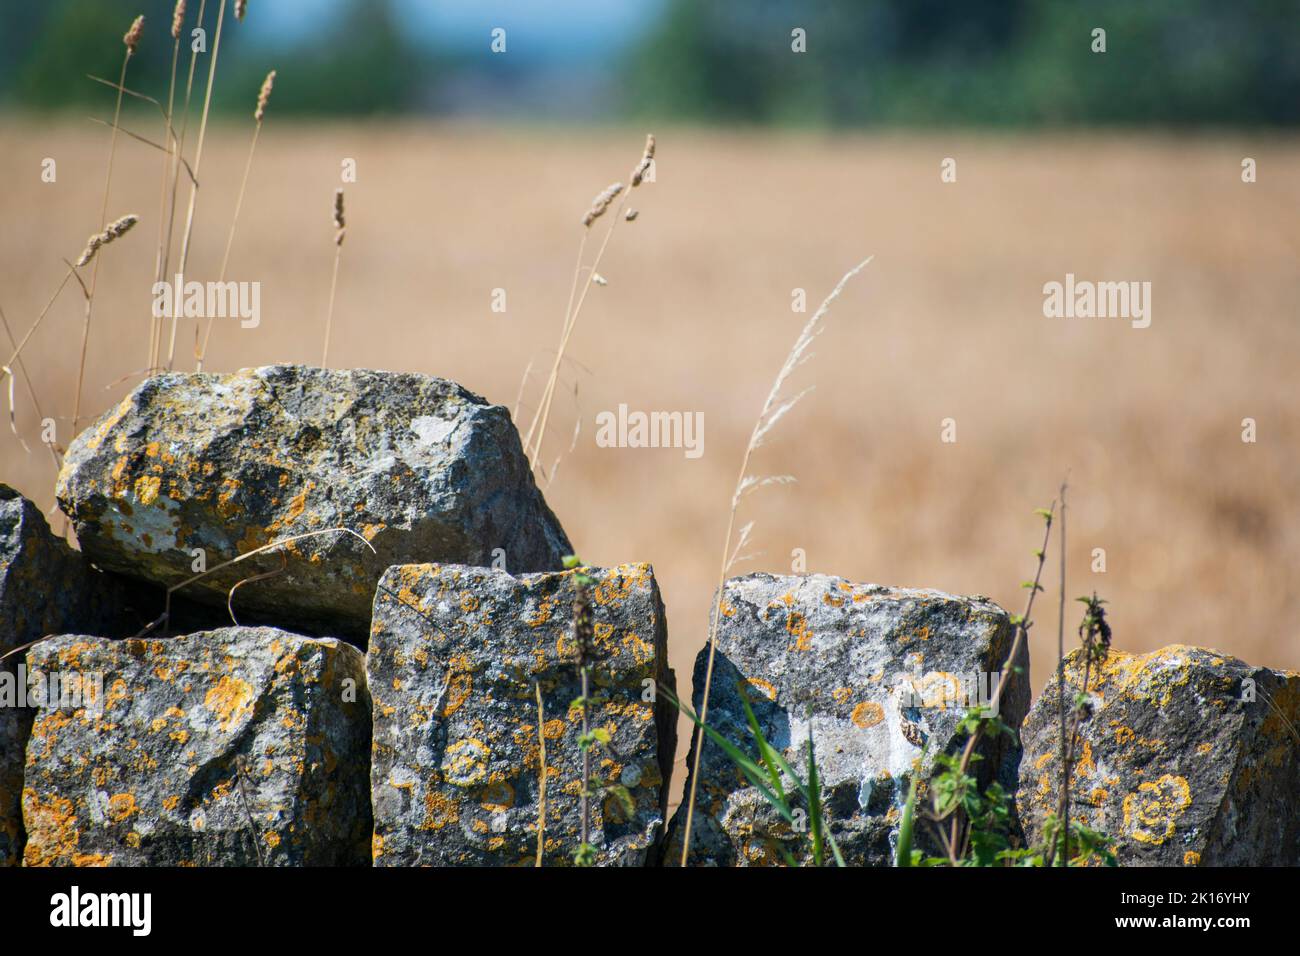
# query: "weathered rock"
884 672
1190 757
45 588
455 656
212 749
421 467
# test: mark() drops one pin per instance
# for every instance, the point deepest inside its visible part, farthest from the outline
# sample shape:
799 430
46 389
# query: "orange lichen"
867 714
230 700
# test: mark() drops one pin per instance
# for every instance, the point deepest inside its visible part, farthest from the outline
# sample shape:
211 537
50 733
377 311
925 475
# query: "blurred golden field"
1201 531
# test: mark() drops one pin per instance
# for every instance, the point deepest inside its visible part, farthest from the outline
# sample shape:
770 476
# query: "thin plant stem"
201 352
198 162
94 271
586 757
769 415
169 135
156 358
19 348
564 331
541 782
329 312
544 410
1060 689
31 389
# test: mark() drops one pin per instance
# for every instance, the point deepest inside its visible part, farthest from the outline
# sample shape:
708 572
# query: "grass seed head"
601 203
178 19
264 95
114 231
647 158
132 37
241 7
339 222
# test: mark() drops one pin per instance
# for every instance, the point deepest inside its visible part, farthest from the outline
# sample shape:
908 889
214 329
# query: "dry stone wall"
378 701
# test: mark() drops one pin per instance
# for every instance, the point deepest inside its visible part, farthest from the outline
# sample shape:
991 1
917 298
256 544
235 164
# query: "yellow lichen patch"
796 625
52 833
867 714
763 687
271 838
458 691
497 797
108 424
466 762
230 700
841 695
939 689
1191 858
439 810
121 806
1151 811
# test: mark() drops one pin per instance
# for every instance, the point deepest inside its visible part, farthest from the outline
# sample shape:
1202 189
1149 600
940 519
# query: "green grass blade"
765 750
814 800
904 855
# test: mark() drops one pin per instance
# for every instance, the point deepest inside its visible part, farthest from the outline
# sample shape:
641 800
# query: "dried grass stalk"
774 409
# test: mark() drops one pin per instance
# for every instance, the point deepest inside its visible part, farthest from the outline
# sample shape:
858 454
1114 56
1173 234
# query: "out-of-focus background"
777 170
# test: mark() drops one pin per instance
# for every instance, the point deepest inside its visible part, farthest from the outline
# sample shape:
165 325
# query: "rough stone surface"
45 588
455 654
1177 764
203 750
862 657
422 468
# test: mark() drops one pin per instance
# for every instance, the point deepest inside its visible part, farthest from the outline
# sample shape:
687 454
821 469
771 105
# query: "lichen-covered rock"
235 747
15 725
875 674
1190 757
422 468
456 654
45 588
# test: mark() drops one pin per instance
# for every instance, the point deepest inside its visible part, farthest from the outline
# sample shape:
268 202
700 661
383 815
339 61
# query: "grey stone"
875 674
45 588
420 467
1190 757
455 655
231 747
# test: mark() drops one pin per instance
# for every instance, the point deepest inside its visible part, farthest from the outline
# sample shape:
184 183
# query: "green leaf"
814 798
904 855
753 773
765 750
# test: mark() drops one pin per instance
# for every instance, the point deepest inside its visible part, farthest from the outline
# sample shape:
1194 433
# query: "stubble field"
1201 531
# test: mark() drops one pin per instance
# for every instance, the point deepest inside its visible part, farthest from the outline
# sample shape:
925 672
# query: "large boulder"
45 588
1190 757
456 654
878 677
200 467
235 747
